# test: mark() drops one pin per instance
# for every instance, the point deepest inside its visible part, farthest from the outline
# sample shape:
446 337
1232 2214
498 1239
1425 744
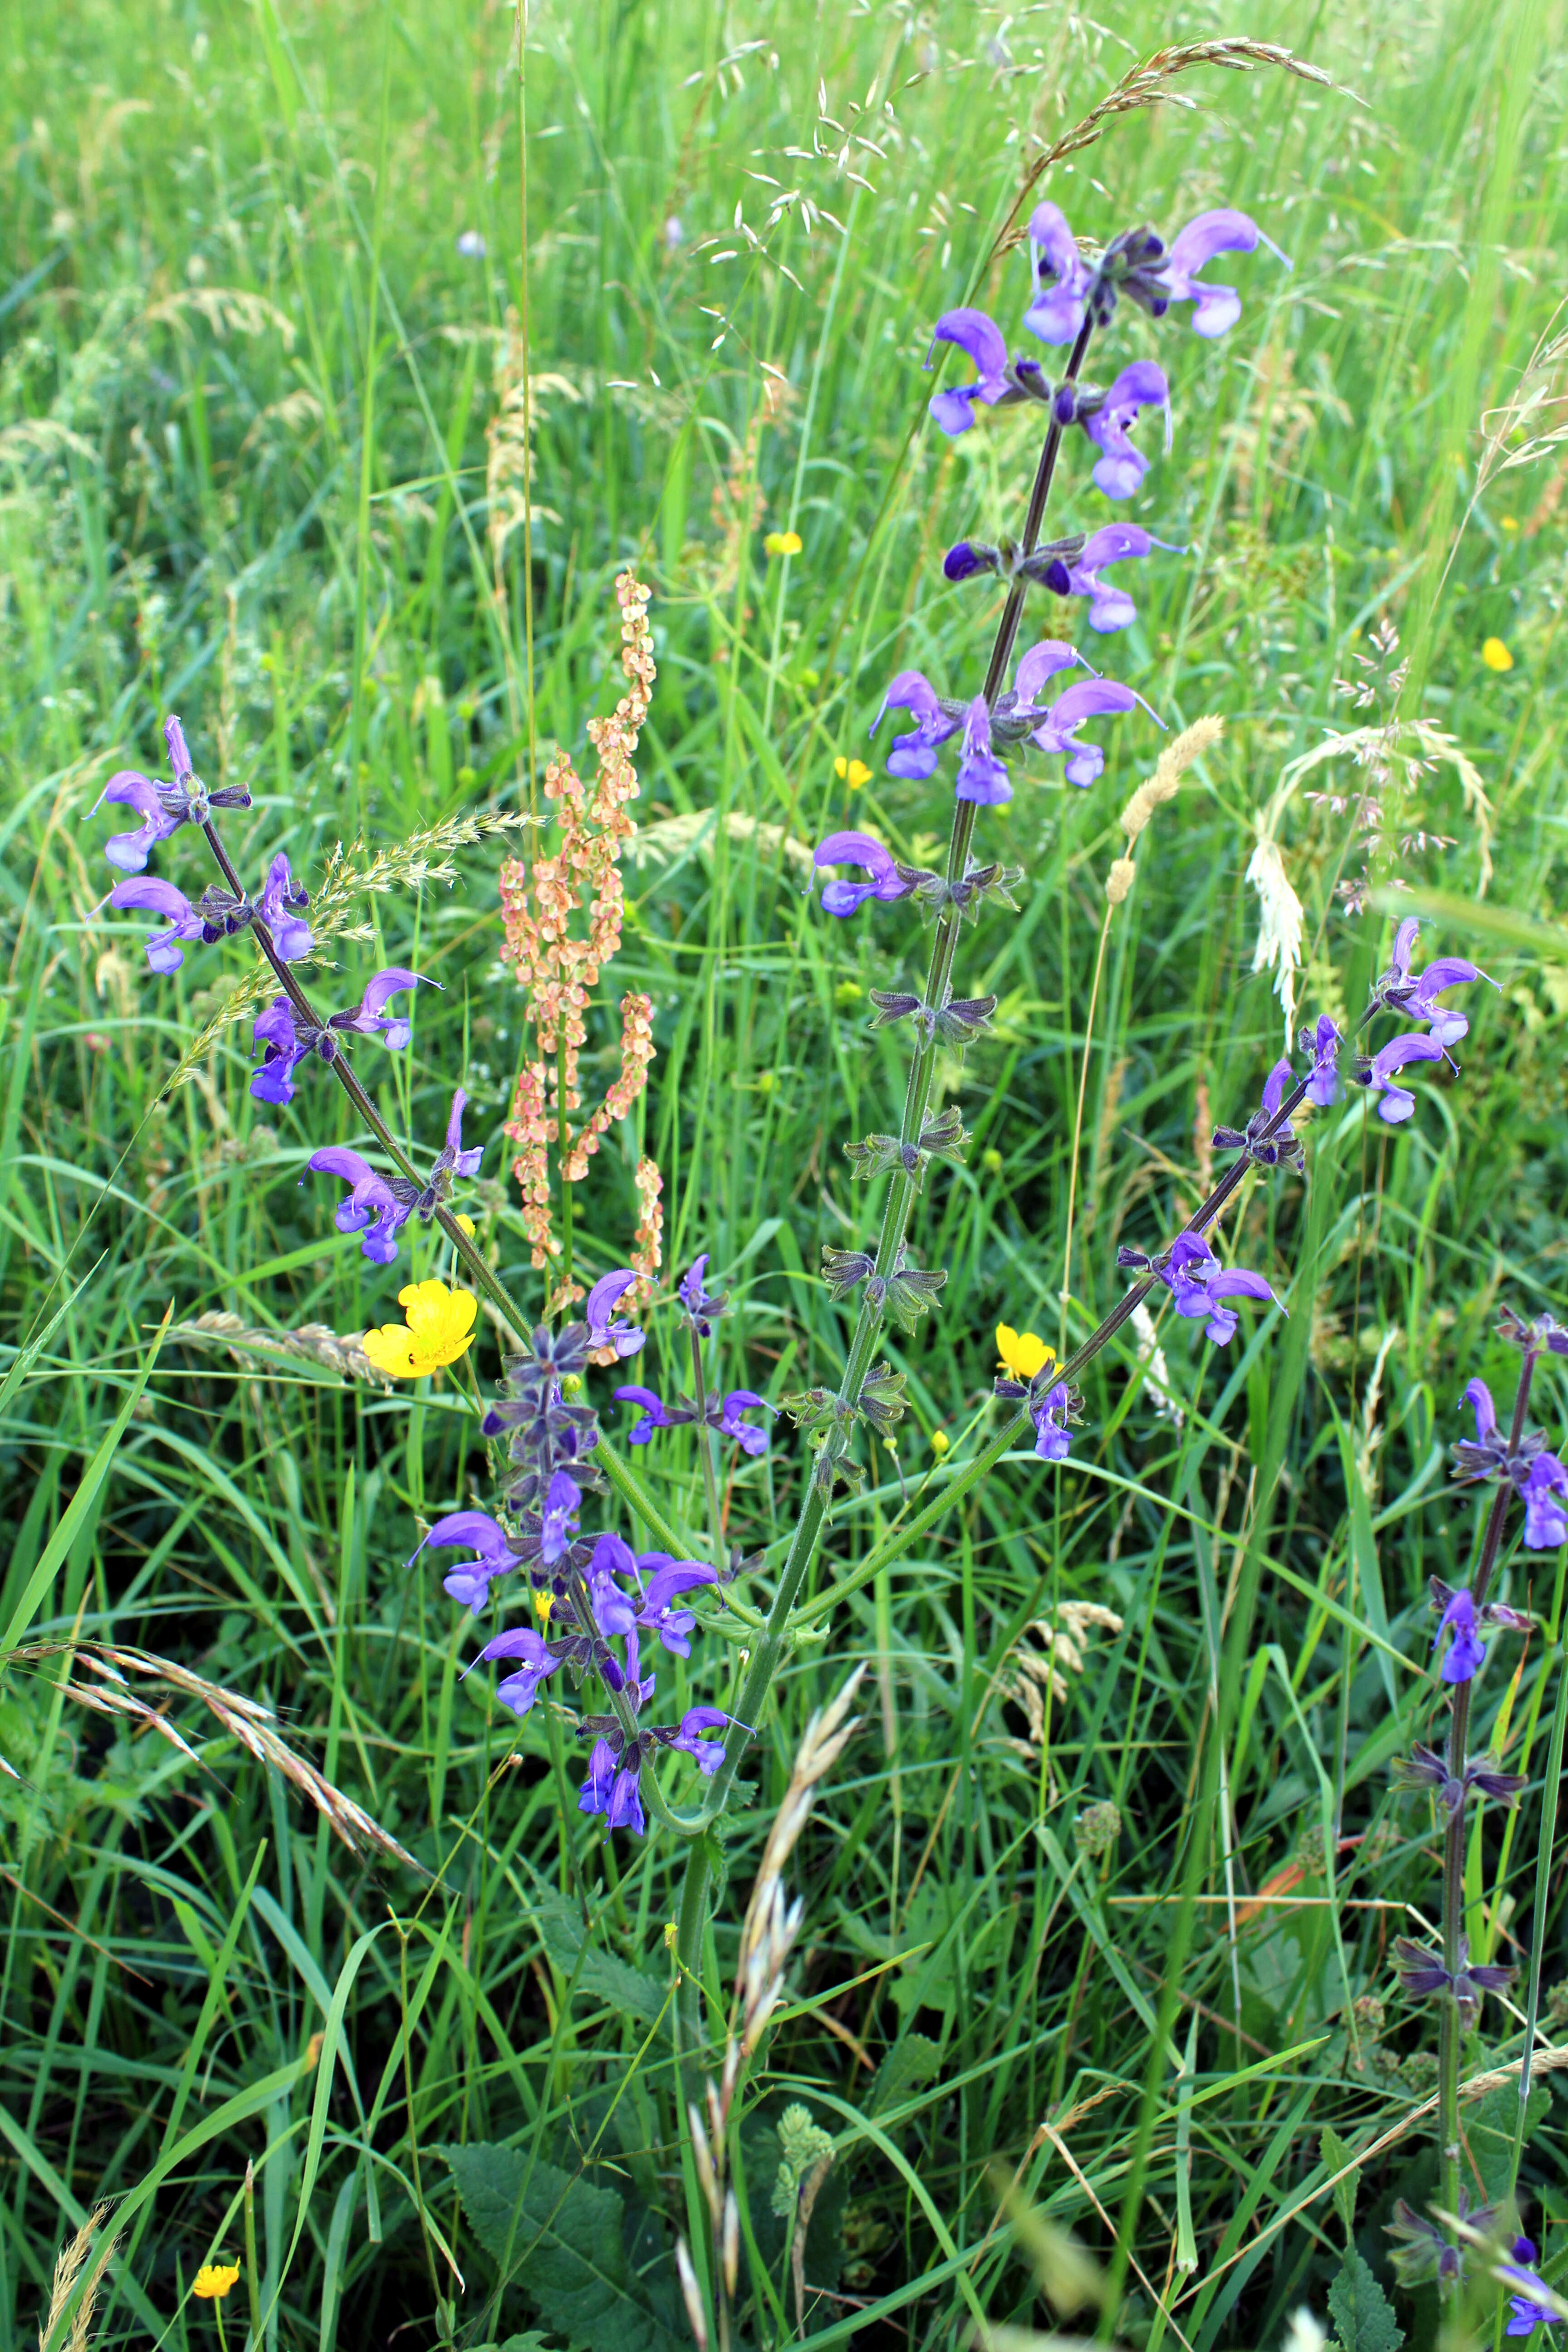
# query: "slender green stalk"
1448 2035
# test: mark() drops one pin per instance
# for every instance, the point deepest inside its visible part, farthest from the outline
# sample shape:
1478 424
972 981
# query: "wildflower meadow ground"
784 1365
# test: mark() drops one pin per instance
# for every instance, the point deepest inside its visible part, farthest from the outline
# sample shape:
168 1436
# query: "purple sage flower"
1395 1103
519 1690
275 1030
1545 1520
1121 467
1466 1653
1422 1974
981 339
452 1158
558 1523
1531 2303
162 808
1200 1286
1053 1439
376 1207
1110 606
594 1797
1091 697
692 1740
165 949
369 1018
1399 989
475 1530
1214 308
604 1331
654 1415
1322 1041
913 756
982 778
735 1403
275 908
702 1307
1062 277
859 849
670 1580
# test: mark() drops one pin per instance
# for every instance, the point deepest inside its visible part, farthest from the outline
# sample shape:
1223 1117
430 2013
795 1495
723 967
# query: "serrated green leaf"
908 2068
1336 2155
602 1976
563 2242
1362 2315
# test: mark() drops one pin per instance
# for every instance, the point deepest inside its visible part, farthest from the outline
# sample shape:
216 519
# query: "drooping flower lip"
1215 307
885 883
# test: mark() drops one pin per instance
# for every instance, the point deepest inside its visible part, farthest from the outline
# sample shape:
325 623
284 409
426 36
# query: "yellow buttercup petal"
782 543
853 772
440 1328
1021 1353
214 2280
1496 655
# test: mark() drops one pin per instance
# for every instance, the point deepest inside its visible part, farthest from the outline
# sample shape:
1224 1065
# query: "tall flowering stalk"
562 916
1518 1465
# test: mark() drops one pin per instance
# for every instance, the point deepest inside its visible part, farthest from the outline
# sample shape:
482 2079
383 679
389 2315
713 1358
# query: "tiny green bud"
990 1160
572 1384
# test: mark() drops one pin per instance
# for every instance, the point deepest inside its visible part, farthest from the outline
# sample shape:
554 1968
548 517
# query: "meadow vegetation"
311 1965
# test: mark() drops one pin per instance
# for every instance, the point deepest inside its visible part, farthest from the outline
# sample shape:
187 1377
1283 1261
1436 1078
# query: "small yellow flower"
855 772
1020 1353
1510 522
544 1603
213 2280
466 1223
440 1328
940 1442
1496 655
782 543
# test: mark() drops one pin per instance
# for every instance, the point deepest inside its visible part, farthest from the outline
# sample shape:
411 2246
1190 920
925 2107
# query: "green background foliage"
244 383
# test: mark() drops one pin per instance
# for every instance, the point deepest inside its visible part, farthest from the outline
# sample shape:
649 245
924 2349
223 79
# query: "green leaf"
1362 2315
563 2242
908 2068
601 1975
1490 2126
1336 2155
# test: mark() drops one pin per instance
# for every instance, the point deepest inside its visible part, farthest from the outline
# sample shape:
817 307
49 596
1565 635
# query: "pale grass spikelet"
691 2295
252 1725
1305 2333
1062 1641
1281 918
311 1343
1151 1357
69 2264
555 963
1174 762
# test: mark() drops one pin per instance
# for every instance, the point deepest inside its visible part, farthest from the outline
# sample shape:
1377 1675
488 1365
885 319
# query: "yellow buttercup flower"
544 1603
1496 655
1510 522
213 2280
440 1329
855 772
782 543
939 1442
1021 1353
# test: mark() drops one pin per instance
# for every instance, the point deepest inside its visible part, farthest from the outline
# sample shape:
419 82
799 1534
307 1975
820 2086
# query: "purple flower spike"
1121 468
165 951
913 757
653 1412
1091 698
690 1738
1062 277
519 1691
736 1402
1322 1041
1111 607
604 1331
982 778
290 937
859 849
372 1207
1466 1653
981 339
1395 1102
470 1582
1545 1520
128 851
1214 308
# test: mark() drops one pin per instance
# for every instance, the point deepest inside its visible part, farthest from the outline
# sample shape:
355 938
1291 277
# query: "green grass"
243 389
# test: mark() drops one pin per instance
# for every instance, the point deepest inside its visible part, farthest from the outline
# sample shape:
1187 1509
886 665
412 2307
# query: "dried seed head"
691 2295
702 2157
731 2244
